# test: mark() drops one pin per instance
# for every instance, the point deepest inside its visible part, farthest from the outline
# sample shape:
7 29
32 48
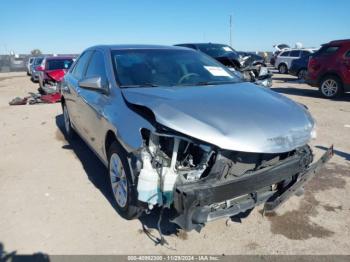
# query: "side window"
188 46
79 68
286 53
304 53
294 53
96 66
326 50
192 46
331 50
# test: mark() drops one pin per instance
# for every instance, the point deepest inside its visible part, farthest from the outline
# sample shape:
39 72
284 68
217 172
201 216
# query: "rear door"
345 68
323 60
294 54
72 89
92 102
283 57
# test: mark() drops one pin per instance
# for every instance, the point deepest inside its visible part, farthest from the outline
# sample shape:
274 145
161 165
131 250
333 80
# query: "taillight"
312 63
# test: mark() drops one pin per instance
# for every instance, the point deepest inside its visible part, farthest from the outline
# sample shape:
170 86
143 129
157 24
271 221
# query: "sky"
70 26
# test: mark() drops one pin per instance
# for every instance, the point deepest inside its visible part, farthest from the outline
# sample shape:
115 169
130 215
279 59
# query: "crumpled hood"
241 117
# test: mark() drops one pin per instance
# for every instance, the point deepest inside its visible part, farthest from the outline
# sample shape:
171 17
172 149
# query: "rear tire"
331 87
70 133
302 74
283 69
121 183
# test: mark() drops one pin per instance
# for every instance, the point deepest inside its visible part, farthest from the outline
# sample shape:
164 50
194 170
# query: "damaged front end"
169 160
203 182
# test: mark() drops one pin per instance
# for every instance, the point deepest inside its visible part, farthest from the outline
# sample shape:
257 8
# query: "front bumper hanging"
192 201
303 178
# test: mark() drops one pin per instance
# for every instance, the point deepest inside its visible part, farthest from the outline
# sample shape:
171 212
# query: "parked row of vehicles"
327 68
48 70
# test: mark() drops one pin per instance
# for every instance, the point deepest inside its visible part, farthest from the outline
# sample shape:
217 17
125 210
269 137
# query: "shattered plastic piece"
57 75
147 186
18 101
51 98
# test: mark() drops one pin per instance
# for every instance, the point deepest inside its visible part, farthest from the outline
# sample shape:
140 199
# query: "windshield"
168 67
59 64
216 50
38 61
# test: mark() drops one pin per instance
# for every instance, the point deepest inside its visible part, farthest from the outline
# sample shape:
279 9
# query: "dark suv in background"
222 53
298 67
329 68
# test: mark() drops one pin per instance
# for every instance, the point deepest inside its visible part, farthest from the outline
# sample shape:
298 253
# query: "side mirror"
93 83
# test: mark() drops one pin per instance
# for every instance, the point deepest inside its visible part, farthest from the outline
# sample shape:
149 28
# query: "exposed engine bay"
204 183
169 160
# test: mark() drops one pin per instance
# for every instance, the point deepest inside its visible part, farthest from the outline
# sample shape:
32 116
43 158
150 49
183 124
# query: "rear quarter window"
294 53
327 50
347 54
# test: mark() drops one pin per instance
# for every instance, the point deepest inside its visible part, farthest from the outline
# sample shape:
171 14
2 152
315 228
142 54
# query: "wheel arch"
282 63
63 101
302 68
109 139
329 74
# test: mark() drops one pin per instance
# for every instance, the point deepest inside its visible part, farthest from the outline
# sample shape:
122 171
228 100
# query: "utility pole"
231 30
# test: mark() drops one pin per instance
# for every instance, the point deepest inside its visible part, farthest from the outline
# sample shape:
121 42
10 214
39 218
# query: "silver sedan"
176 129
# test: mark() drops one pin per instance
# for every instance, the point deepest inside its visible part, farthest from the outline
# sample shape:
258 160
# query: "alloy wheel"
329 87
118 180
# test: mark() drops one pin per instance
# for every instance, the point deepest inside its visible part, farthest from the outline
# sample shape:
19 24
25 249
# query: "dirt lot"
54 200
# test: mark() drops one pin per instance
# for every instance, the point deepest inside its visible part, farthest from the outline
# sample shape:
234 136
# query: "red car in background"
53 68
329 68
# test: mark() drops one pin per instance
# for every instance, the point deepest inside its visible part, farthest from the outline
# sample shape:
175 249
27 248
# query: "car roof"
298 49
58 57
339 42
291 49
132 46
200 44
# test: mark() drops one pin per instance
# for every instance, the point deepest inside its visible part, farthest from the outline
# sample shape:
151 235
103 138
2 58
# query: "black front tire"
283 69
130 210
302 74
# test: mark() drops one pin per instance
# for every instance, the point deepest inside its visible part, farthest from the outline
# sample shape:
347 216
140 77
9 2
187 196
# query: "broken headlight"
168 159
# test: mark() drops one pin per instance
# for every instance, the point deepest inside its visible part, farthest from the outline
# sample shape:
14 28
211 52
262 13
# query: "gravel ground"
54 197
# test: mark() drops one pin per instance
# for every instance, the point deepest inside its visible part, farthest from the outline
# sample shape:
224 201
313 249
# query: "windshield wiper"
140 85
